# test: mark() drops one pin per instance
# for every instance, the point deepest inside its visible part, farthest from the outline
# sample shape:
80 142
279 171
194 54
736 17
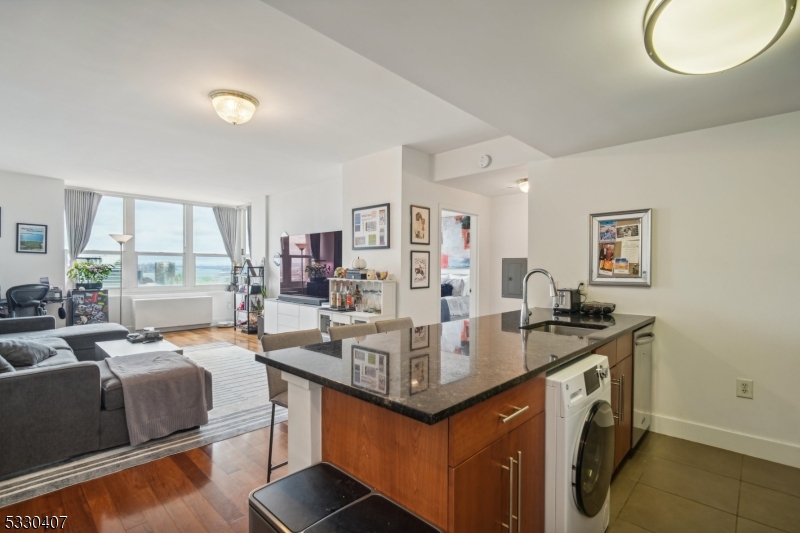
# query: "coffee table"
123 347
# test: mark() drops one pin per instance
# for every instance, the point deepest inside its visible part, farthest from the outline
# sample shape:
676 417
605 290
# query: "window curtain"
227 219
315 239
80 208
249 230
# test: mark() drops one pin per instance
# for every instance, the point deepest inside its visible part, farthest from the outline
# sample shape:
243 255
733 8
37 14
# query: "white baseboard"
770 450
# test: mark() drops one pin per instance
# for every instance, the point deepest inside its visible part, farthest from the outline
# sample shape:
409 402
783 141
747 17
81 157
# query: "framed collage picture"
620 248
371 227
370 370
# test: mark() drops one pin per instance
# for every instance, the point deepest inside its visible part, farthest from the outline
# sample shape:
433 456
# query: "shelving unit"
248 302
387 303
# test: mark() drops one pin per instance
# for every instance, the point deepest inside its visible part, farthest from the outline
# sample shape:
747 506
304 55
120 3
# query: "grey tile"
650 442
700 456
692 483
770 507
771 475
621 488
743 525
661 512
633 467
621 526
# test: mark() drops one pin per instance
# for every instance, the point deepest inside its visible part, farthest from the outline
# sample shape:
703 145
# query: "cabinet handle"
519 490
511 517
517 411
645 339
620 416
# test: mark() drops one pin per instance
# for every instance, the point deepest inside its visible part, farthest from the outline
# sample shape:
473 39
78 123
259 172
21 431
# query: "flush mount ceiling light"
233 106
523 185
707 36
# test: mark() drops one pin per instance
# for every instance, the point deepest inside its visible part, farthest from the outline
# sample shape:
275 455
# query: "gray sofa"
68 404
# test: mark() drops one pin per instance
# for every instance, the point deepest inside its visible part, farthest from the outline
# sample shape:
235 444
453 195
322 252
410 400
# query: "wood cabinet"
502 485
619 353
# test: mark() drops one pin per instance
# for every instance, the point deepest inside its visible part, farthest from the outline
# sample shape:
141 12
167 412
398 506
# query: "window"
102 248
211 263
159 243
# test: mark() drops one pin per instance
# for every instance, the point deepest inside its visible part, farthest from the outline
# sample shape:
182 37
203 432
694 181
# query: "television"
300 251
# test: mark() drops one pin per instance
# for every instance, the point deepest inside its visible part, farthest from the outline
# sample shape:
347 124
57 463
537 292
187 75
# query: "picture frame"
420 225
31 238
620 248
370 369
419 375
419 338
420 271
371 227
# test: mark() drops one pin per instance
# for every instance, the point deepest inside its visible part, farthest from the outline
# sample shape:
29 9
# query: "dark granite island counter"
419 413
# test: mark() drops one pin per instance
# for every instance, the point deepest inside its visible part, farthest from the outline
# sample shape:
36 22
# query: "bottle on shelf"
337 297
350 305
357 300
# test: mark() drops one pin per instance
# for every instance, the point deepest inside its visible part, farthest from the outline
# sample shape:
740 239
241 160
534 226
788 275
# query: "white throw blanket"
163 392
459 305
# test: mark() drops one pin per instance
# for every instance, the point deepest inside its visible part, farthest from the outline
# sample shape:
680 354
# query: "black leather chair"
27 300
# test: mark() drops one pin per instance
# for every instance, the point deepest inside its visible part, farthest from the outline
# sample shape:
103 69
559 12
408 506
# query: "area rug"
241 404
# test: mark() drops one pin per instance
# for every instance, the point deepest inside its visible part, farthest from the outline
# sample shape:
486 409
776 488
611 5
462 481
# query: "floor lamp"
121 239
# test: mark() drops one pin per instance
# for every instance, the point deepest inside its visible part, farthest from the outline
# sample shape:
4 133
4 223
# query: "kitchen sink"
559 328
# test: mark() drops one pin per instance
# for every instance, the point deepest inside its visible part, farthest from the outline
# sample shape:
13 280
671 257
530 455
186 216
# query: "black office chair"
27 300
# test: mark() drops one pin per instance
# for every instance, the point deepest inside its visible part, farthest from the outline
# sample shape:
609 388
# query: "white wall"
505 152
423 305
508 238
33 200
726 270
371 180
312 209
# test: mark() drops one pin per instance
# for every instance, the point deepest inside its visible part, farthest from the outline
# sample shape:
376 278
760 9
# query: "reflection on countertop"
429 373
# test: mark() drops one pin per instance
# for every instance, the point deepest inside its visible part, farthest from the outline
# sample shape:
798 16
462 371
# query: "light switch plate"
744 388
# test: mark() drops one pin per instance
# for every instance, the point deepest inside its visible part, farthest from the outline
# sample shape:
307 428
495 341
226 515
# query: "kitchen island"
446 419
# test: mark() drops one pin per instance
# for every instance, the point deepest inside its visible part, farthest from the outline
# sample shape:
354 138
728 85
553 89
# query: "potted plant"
318 272
88 275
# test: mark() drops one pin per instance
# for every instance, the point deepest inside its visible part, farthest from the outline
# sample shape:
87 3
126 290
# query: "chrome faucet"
525 313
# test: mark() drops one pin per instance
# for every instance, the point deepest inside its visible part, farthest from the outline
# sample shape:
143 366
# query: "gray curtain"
250 230
80 208
226 220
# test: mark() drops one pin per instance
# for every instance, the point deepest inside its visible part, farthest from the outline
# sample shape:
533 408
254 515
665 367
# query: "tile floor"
670 485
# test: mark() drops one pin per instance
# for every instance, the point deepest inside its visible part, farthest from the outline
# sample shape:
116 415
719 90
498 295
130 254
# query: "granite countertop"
432 372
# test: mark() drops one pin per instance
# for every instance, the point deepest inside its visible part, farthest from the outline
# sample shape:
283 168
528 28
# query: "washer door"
594 459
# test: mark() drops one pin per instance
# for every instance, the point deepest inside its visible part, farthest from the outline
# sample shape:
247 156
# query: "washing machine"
579 451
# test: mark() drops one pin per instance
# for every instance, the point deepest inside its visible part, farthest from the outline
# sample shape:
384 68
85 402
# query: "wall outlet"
744 388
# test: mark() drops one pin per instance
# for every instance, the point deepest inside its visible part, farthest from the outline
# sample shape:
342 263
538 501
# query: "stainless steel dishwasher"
642 381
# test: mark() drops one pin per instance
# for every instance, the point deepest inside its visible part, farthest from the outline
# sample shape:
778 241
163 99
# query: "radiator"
172 312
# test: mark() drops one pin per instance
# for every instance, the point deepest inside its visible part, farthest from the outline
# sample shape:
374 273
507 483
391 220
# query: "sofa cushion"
63 357
25 352
5 366
111 388
78 337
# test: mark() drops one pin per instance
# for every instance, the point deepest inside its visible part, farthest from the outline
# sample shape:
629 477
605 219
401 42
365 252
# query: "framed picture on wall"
419 338
371 227
420 270
370 369
620 249
31 238
420 225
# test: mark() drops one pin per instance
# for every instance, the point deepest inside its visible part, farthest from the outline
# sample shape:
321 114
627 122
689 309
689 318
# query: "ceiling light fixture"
707 36
233 106
523 185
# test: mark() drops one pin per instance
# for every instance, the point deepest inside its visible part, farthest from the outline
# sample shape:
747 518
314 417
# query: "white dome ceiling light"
233 106
523 185
707 36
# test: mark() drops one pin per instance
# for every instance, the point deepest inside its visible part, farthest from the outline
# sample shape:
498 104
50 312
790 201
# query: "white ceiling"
113 96
562 76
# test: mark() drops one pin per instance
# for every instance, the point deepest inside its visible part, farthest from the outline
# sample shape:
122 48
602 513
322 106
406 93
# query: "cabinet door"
622 405
526 446
308 318
271 317
476 489
502 485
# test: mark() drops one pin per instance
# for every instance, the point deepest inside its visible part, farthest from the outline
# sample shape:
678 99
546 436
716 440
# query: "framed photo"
371 227
31 238
419 374
420 225
620 248
419 338
370 370
420 270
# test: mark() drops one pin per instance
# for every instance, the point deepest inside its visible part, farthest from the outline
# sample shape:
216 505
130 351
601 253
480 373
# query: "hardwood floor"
201 490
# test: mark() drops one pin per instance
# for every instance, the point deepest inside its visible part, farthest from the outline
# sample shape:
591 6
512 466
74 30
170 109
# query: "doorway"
458 260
